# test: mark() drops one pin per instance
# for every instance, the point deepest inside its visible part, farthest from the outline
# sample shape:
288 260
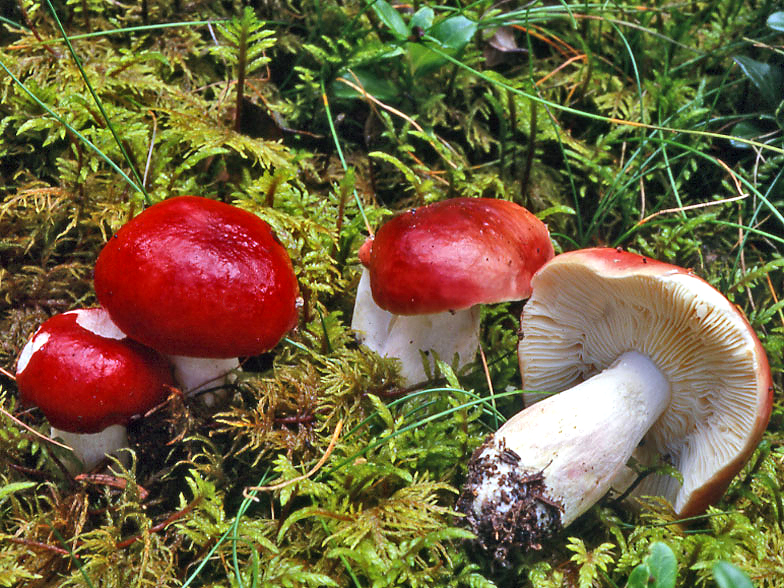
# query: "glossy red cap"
192 276
455 254
84 378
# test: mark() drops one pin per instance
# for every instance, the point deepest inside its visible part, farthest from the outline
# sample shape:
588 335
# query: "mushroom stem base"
91 448
414 339
578 442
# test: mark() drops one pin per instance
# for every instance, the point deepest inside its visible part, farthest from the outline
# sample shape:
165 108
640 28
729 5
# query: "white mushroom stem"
91 448
578 440
195 374
406 338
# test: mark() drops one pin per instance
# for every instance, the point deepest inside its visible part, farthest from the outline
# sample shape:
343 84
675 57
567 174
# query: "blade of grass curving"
81 137
230 533
134 29
411 427
334 134
98 103
593 116
753 220
489 411
16 25
236 524
606 203
572 185
71 553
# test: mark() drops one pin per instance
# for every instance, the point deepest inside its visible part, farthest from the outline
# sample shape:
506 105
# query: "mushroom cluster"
648 361
427 271
189 284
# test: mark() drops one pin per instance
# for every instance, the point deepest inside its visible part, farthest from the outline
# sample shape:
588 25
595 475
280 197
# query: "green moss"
245 105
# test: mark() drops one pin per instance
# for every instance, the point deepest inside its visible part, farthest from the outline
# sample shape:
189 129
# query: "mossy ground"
614 123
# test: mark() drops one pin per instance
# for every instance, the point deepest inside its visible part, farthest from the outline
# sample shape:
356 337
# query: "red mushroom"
200 281
88 380
649 361
427 269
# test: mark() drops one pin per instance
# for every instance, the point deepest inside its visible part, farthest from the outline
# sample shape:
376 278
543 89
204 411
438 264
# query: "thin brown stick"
39 545
690 207
33 431
160 526
107 480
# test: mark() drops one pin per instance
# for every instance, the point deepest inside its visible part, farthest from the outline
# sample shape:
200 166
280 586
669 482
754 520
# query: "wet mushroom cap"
85 375
196 277
591 306
454 254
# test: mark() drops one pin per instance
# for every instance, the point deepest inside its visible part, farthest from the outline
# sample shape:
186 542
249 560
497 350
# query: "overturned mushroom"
649 360
427 269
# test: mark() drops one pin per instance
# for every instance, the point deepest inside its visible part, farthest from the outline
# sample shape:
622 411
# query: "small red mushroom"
89 379
200 281
428 269
647 360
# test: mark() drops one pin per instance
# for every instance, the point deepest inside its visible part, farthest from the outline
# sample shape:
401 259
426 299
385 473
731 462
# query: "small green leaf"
745 129
557 209
391 18
729 576
9 489
639 577
776 21
663 566
767 78
423 60
423 18
454 32
378 87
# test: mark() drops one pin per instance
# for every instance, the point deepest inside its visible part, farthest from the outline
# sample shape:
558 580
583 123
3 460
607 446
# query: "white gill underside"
450 335
576 324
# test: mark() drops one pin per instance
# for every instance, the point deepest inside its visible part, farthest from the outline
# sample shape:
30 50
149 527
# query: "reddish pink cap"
192 276
455 254
85 375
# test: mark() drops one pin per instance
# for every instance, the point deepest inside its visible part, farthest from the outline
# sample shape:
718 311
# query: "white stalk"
576 443
194 374
403 336
91 448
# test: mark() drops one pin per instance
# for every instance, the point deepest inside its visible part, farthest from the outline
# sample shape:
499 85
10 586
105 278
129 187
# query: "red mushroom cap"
84 378
455 254
192 276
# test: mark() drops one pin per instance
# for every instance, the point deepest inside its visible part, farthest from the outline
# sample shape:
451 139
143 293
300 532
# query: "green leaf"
776 21
391 18
423 18
663 566
9 489
557 209
639 577
659 570
454 32
767 78
378 87
729 576
745 129
422 59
